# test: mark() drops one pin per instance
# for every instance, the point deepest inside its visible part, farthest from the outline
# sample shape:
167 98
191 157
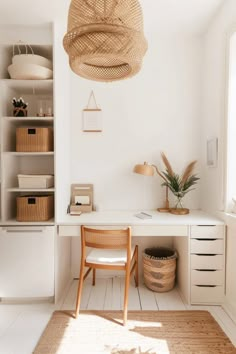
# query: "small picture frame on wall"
212 152
92 116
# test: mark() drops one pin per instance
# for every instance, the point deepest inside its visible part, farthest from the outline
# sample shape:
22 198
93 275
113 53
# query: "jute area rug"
147 332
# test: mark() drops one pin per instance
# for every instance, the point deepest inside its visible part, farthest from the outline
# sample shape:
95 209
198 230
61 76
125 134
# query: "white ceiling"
164 15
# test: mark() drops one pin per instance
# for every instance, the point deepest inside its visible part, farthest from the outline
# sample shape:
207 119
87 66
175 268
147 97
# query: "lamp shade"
105 39
144 169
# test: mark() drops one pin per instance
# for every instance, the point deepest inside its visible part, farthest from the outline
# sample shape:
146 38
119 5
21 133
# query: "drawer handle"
206 239
206 286
207 225
23 231
206 254
206 270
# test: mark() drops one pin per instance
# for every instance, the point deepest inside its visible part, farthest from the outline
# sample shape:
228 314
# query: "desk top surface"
127 217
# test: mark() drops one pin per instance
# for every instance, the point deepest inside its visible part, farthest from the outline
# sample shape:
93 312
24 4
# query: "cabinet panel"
27 261
160 230
214 231
166 230
207 246
207 261
204 277
69 230
207 294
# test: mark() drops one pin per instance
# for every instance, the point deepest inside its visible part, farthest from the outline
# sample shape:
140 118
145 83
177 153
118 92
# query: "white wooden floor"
22 325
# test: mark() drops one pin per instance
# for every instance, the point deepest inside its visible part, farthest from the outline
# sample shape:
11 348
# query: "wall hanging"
212 152
92 116
105 39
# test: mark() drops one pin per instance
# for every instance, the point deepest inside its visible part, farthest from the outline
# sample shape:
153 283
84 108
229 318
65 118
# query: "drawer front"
204 277
207 262
159 230
207 294
207 246
75 230
215 231
69 230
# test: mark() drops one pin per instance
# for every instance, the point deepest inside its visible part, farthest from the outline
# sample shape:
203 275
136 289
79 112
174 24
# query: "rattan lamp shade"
105 40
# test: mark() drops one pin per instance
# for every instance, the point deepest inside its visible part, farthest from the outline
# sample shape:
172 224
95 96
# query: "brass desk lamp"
148 170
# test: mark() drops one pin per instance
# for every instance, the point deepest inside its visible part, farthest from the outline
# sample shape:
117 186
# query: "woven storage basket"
159 265
105 40
34 139
34 208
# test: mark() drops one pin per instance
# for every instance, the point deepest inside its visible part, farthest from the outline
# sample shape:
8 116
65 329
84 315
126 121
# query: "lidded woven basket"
104 39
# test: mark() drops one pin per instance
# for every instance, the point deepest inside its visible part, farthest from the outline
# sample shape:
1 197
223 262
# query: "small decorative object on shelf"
19 107
179 184
45 108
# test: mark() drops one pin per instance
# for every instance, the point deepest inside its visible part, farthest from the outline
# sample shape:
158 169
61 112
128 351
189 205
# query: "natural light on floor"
103 332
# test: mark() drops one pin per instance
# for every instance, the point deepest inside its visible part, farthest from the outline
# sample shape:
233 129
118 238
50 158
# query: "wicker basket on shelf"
34 208
159 266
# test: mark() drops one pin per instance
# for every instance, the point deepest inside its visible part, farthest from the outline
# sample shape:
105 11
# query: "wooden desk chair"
110 249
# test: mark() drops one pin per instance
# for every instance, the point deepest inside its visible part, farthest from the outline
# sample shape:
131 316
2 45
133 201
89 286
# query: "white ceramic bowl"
32 59
29 72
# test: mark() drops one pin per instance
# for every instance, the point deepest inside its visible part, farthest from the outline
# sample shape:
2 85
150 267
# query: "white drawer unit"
207 261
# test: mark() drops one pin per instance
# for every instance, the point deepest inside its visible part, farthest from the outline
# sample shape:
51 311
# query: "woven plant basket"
105 40
159 265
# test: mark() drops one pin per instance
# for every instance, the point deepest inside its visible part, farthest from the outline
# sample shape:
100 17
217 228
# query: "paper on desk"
82 199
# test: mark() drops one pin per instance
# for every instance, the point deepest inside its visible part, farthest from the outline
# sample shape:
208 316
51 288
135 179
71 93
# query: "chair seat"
107 256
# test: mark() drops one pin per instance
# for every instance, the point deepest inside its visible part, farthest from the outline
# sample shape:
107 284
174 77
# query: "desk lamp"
148 170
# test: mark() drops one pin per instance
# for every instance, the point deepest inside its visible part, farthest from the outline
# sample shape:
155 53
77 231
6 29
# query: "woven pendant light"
105 40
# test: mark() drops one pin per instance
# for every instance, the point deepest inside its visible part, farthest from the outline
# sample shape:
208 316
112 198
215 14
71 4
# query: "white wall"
231 124
158 110
214 124
214 103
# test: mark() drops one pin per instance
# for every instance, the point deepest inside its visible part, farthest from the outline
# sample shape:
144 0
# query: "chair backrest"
109 239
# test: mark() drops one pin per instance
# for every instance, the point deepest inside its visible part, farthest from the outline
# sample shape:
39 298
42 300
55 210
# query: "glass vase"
179 209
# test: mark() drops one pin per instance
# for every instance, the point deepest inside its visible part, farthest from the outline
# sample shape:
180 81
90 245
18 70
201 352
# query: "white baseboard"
230 310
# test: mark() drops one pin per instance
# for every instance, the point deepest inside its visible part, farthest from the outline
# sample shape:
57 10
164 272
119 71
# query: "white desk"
198 237
161 224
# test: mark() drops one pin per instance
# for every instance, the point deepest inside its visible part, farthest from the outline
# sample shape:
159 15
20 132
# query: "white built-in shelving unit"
27 249
32 91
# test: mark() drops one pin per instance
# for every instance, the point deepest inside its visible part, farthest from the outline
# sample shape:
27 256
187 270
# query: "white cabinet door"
26 261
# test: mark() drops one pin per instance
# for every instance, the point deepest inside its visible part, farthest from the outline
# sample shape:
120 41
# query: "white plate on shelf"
29 72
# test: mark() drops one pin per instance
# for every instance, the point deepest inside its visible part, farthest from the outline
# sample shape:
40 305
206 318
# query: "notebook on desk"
143 215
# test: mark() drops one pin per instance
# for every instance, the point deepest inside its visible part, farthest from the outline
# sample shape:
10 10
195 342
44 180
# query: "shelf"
25 119
14 153
30 86
17 189
40 97
13 222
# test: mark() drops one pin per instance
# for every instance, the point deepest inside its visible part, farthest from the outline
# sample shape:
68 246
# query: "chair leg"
94 276
136 267
126 296
79 292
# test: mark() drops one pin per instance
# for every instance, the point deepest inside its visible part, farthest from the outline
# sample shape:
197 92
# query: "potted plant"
179 185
